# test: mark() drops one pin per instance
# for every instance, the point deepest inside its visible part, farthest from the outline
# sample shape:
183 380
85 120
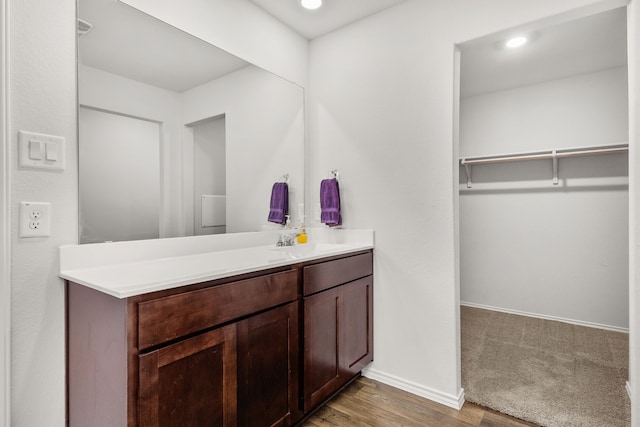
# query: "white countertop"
126 269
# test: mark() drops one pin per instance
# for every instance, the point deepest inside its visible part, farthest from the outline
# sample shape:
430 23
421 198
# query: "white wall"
119 173
584 110
382 113
526 245
43 99
106 91
633 28
264 119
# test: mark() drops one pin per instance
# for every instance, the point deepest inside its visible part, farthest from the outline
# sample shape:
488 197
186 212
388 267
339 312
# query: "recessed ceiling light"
516 42
311 4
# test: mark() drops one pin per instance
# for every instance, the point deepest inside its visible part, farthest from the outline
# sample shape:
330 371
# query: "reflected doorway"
209 176
122 205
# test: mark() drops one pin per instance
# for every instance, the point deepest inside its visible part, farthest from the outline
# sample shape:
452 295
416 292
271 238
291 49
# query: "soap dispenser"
302 232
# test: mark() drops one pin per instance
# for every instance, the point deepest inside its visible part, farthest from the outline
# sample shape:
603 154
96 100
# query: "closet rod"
545 155
554 155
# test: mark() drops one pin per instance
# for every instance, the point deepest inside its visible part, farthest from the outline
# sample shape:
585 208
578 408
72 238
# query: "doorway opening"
543 208
205 165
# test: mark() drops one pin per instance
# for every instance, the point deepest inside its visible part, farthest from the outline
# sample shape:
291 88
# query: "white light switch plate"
35 219
52 147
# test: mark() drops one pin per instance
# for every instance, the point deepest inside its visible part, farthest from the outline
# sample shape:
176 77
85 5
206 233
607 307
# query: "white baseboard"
628 387
546 317
446 399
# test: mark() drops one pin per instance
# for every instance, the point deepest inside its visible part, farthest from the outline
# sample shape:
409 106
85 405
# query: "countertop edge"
76 276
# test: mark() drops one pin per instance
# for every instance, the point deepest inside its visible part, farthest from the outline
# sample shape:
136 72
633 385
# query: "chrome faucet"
288 239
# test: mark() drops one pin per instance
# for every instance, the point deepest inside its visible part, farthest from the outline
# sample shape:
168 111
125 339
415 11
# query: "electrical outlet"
35 219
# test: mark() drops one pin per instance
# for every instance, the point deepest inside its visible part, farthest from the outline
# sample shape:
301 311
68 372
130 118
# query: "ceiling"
581 46
126 42
129 43
332 15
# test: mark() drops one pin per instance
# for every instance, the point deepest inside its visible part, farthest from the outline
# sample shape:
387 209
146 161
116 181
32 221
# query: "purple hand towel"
330 202
279 203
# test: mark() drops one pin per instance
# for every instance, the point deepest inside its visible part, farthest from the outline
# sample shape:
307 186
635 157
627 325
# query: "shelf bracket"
467 169
554 158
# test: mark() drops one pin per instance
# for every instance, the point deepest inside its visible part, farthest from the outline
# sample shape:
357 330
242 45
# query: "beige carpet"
551 373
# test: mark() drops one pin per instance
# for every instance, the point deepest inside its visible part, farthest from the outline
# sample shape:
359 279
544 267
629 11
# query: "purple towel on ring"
279 208
330 202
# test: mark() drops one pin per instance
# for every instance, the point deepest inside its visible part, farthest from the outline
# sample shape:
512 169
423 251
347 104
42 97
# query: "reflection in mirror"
177 137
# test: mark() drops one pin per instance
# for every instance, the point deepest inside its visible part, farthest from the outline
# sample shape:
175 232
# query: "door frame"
5 229
632 7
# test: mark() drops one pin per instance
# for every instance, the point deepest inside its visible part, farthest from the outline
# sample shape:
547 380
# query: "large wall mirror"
176 136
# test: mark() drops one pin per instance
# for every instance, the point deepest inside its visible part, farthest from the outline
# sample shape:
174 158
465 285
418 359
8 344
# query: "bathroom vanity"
251 345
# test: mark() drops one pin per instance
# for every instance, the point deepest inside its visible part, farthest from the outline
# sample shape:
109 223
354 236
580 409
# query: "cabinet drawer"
319 277
172 317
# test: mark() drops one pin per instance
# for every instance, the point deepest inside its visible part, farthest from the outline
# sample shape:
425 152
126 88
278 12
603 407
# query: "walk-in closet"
544 220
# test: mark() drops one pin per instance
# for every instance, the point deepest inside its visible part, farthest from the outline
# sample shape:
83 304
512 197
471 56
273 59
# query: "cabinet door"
190 383
268 368
357 321
321 346
338 338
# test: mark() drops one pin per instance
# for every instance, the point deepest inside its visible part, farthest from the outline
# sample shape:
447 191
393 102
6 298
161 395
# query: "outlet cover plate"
35 219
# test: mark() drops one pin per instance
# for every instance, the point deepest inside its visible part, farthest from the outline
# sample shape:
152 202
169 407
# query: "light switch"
35 149
52 151
40 151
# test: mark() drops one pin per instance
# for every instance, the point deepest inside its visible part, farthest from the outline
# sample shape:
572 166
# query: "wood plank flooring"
370 403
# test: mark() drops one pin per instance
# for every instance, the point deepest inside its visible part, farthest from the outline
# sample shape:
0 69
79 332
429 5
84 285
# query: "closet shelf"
554 155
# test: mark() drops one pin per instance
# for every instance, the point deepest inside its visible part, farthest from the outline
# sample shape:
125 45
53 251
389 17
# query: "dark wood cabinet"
268 368
357 326
190 383
338 325
322 337
261 349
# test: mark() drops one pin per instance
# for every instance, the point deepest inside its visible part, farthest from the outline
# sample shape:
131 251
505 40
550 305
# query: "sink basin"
308 249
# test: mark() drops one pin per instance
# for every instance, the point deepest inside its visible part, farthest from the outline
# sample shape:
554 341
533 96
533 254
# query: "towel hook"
336 174
285 178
